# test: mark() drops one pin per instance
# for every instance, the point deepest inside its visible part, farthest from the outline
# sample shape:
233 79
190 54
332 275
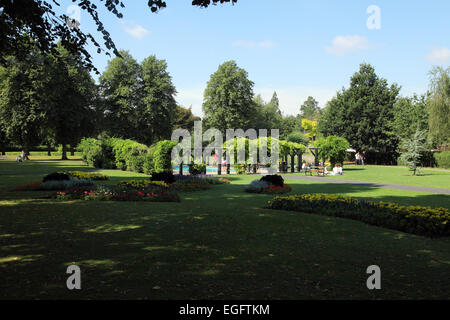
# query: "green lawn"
435 178
215 244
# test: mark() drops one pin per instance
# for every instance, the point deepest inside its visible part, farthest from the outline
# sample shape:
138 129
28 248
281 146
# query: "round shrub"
274 179
56 176
166 176
443 159
196 169
162 155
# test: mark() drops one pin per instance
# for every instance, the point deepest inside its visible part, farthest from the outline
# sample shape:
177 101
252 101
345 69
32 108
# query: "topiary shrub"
274 179
443 159
148 165
56 176
166 176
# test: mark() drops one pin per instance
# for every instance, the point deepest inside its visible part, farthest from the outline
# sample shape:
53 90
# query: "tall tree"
439 105
363 113
70 92
22 99
119 86
185 118
157 107
275 103
228 98
310 109
410 114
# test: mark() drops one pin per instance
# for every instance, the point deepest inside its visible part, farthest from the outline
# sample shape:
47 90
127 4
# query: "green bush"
443 159
196 169
413 219
162 155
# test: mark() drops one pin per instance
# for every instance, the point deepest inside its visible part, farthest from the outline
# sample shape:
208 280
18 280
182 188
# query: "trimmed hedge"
112 153
413 219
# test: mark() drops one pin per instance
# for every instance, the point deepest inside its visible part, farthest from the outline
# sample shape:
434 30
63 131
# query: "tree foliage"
333 148
410 114
310 109
439 105
38 19
413 147
139 101
228 99
363 113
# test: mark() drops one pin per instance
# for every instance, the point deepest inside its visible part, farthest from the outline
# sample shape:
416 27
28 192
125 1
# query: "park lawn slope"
215 244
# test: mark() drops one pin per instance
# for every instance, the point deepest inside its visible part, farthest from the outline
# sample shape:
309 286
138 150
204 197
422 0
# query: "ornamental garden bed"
77 185
411 219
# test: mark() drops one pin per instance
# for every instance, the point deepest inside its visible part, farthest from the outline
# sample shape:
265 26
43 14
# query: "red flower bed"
273 189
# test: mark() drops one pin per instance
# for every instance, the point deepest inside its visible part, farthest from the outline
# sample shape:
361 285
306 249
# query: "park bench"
306 171
319 170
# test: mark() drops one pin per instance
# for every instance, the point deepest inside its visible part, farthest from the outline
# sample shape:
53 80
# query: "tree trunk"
219 168
292 163
255 168
228 168
299 161
180 172
72 150
49 150
64 152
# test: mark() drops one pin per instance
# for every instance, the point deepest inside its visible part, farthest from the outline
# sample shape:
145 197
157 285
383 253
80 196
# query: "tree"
410 114
185 119
119 86
439 105
69 91
157 107
289 124
21 19
228 99
298 137
275 103
139 101
413 147
310 128
363 113
333 148
22 97
310 109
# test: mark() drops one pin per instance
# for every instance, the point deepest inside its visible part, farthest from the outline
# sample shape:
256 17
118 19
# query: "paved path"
369 184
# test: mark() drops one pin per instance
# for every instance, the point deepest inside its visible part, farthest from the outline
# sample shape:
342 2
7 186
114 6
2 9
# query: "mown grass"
434 178
215 244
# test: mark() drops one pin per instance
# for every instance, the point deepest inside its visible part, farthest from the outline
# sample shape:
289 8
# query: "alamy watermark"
374 20
239 147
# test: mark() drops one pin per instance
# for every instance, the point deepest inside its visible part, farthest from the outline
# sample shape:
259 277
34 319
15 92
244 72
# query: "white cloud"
254 44
343 45
138 31
439 55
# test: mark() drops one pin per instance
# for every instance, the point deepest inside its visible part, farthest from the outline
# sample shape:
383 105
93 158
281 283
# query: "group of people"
359 158
337 170
22 157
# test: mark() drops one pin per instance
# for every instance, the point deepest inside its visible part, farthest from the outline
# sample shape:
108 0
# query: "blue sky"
295 47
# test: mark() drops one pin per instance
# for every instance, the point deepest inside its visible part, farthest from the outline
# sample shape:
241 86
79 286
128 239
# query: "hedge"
413 219
112 153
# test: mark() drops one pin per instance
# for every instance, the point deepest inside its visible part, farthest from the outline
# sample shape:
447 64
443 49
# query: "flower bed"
142 184
88 175
273 189
104 193
264 186
412 219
